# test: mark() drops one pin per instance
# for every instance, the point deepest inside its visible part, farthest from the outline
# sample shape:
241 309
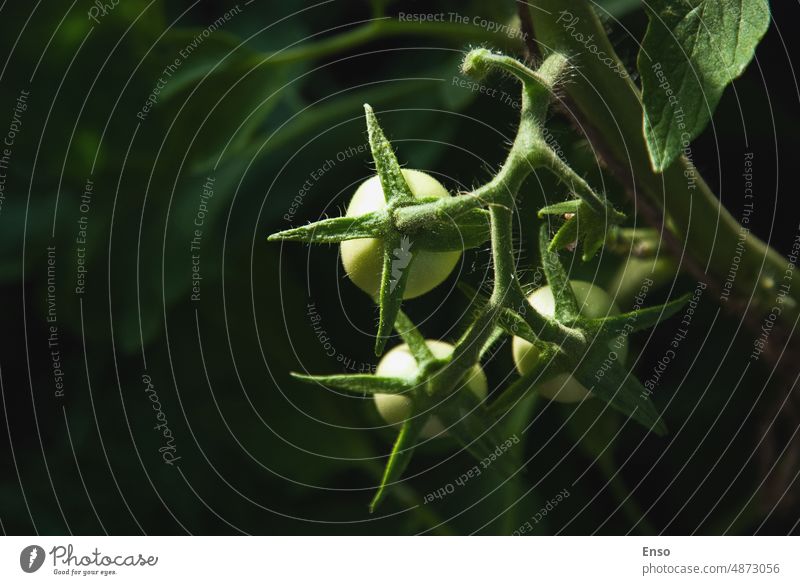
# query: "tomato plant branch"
706 233
417 221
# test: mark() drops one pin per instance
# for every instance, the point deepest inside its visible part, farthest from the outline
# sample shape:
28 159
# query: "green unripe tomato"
399 363
593 302
363 258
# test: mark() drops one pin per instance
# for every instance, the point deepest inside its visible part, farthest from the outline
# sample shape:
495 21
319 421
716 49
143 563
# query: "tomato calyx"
461 412
585 353
442 232
582 224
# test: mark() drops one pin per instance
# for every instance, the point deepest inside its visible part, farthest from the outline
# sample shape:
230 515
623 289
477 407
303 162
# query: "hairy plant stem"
528 152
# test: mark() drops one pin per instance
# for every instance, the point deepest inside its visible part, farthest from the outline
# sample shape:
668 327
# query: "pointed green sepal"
584 224
561 208
509 322
638 320
566 305
592 239
400 457
514 324
497 334
566 236
395 188
363 384
397 259
337 229
414 340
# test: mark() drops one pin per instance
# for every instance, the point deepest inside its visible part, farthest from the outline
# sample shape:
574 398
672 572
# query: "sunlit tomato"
363 258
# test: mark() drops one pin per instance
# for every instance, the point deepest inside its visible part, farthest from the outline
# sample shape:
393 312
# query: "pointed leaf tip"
361 384
400 457
566 305
335 230
394 185
398 256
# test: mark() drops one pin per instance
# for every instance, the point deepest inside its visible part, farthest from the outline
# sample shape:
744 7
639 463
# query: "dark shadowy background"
257 452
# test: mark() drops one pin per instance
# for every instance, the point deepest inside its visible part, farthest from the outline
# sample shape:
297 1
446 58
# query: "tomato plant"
567 343
403 234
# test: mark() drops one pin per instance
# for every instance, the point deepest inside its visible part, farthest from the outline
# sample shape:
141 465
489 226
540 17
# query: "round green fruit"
594 302
363 257
400 363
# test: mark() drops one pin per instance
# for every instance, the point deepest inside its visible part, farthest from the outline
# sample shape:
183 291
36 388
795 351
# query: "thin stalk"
383 28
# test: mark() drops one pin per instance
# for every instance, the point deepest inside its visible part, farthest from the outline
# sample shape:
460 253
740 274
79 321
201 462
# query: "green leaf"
622 390
469 230
641 319
337 229
395 188
397 259
413 338
401 455
692 50
566 305
359 383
